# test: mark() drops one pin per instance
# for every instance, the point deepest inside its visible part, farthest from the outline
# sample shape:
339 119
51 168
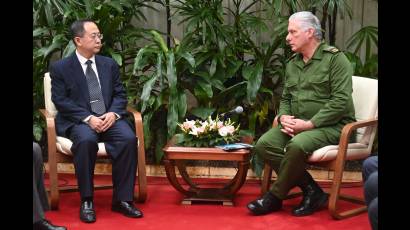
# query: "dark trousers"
40 201
120 144
288 155
370 176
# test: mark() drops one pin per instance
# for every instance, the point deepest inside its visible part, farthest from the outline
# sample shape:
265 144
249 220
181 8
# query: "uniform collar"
317 55
319 52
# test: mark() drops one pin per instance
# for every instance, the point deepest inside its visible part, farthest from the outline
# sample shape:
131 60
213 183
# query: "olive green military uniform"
319 91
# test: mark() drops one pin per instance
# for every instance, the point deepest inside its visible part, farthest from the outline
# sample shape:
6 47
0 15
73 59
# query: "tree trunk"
313 10
168 23
332 27
324 18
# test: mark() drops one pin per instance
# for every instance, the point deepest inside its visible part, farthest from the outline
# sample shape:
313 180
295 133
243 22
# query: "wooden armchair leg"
267 175
335 196
141 194
54 192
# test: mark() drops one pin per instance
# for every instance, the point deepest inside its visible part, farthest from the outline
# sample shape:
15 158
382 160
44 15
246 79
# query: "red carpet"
163 210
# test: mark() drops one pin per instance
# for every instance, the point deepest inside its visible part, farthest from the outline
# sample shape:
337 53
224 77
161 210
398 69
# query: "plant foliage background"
230 52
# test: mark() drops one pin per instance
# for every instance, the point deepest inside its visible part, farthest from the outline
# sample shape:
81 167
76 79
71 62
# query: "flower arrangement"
207 133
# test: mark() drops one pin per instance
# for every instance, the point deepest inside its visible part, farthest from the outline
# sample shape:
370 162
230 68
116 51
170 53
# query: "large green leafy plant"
219 63
160 96
367 37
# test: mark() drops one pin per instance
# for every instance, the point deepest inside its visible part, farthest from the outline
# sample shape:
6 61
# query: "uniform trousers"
287 155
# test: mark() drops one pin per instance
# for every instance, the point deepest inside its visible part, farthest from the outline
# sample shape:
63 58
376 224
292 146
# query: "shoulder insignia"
331 49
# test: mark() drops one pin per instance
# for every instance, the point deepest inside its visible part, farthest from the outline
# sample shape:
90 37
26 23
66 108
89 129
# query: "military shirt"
319 90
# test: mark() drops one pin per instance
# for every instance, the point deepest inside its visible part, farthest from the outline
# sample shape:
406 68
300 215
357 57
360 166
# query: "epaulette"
331 49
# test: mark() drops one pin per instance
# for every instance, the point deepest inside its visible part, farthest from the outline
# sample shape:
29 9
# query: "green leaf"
58 40
229 91
203 112
138 63
160 41
367 35
146 121
232 68
69 49
217 84
212 68
254 82
182 104
40 31
179 138
37 131
171 72
172 117
205 86
116 56
266 90
190 59
146 92
116 5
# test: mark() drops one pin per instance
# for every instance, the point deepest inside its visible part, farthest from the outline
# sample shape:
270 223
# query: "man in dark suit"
91 103
40 202
371 189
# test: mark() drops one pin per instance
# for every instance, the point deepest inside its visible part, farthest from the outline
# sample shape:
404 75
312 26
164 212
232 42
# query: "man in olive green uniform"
316 103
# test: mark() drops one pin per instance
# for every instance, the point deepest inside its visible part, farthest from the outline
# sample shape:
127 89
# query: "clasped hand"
102 123
292 126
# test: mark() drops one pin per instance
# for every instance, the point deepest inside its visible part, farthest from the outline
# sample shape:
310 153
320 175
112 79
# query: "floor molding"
211 172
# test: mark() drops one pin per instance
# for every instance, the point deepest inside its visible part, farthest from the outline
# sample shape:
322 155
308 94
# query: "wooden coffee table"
176 156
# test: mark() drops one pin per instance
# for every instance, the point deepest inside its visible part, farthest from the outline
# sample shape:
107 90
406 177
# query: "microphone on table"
237 110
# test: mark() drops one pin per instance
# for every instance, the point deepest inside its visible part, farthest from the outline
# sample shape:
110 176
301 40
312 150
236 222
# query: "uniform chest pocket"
320 86
292 88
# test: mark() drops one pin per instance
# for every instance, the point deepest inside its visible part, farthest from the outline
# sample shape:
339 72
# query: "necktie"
96 98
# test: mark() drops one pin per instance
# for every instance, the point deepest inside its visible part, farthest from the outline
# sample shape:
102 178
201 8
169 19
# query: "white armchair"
59 151
333 157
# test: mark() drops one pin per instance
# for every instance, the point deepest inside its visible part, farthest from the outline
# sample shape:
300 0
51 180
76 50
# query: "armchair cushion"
64 145
329 152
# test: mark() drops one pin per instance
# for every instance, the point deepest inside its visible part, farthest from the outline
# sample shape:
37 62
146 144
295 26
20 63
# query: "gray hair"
308 20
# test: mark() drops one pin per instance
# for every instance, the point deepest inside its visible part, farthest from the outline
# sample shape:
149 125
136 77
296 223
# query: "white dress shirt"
82 61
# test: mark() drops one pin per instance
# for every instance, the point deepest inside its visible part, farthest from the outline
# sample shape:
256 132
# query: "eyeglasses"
97 35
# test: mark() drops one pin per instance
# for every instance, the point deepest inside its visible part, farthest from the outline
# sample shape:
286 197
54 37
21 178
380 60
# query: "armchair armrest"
142 179
349 128
52 157
51 135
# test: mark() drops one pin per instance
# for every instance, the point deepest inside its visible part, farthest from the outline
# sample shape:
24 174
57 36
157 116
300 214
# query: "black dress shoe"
46 225
266 204
87 212
127 209
313 199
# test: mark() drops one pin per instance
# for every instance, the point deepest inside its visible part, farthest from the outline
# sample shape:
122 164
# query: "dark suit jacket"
70 91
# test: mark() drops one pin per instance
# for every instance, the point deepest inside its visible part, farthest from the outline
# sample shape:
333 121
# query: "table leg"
236 183
182 170
170 170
